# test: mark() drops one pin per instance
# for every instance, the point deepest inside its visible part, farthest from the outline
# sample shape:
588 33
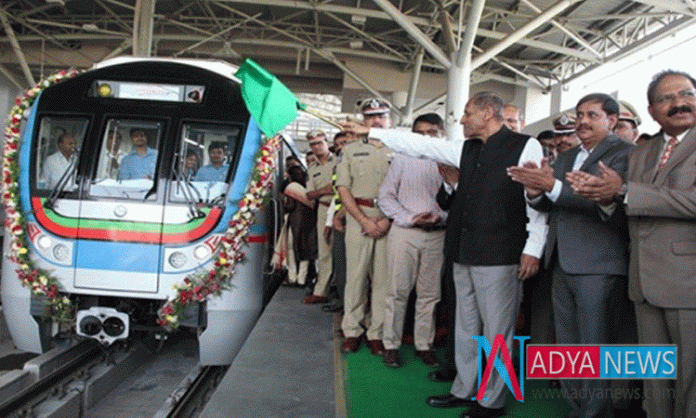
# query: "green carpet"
375 391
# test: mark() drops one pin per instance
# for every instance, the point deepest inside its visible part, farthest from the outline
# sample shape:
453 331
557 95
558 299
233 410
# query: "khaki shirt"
320 176
362 168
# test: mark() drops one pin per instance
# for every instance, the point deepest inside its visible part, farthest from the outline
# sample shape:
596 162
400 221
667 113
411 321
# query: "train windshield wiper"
63 181
188 190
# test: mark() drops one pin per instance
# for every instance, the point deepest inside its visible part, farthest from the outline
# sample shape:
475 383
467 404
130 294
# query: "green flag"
271 104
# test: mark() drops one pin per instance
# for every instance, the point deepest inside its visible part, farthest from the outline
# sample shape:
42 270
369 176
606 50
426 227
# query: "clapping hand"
602 188
535 180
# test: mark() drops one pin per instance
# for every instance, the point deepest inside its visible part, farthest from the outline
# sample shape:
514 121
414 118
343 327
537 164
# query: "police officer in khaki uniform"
319 187
359 175
627 126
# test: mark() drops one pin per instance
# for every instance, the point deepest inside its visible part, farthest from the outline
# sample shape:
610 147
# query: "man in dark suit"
589 256
659 197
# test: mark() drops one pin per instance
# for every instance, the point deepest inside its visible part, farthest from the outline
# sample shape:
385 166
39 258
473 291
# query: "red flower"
183 297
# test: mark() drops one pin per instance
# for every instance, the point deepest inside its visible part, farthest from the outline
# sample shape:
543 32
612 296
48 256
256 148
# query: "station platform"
291 366
286 368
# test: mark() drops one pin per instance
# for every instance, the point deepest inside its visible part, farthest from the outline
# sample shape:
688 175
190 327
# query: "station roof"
535 43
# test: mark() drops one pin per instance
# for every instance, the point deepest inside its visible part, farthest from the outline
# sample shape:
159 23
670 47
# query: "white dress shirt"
54 167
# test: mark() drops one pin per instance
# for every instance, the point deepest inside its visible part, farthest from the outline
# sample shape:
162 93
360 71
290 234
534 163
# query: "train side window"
202 167
58 152
127 159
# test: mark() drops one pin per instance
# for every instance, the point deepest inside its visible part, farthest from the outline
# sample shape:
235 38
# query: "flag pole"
321 117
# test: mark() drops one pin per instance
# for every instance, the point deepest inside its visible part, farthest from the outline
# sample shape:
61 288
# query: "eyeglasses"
687 94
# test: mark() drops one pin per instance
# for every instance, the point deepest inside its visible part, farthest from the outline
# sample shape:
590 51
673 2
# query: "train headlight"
44 242
177 260
104 90
60 252
201 252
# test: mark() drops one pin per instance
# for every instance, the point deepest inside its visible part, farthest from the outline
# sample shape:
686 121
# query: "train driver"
140 163
58 163
217 169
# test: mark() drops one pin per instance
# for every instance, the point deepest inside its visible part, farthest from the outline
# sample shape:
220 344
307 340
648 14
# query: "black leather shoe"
332 307
478 411
391 358
443 375
448 401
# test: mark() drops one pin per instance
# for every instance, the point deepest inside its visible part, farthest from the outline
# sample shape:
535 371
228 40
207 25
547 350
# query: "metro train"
117 210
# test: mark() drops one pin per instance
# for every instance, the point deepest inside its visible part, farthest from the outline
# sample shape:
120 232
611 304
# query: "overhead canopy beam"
216 35
636 46
366 35
11 77
415 33
377 14
127 43
577 38
447 31
17 49
522 32
329 56
669 5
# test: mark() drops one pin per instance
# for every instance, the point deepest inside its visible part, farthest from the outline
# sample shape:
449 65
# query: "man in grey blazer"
589 257
659 197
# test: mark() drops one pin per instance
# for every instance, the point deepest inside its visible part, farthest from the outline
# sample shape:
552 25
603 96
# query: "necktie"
667 152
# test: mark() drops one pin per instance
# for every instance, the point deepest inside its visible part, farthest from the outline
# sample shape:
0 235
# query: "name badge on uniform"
316 175
361 154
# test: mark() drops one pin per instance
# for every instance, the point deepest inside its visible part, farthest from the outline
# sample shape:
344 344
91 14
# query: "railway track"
190 398
87 380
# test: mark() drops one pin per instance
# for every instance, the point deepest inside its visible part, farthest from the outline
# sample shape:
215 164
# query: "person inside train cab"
58 163
141 162
113 153
191 165
217 169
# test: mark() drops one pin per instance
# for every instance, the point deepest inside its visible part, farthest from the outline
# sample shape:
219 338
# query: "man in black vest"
493 237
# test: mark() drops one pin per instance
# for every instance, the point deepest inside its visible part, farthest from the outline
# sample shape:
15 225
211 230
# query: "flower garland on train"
59 307
197 287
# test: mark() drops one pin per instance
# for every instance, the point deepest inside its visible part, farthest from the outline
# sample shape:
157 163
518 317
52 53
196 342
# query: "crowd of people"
589 230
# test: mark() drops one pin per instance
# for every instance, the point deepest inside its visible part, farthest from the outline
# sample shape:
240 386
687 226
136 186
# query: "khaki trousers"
324 261
414 258
366 275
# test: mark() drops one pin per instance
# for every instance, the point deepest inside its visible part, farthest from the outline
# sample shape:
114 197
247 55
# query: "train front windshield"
202 168
129 155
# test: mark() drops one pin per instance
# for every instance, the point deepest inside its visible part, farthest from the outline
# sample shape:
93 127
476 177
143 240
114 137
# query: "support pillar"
556 92
143 23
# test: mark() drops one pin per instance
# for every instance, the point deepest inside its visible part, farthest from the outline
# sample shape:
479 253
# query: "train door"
121 214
